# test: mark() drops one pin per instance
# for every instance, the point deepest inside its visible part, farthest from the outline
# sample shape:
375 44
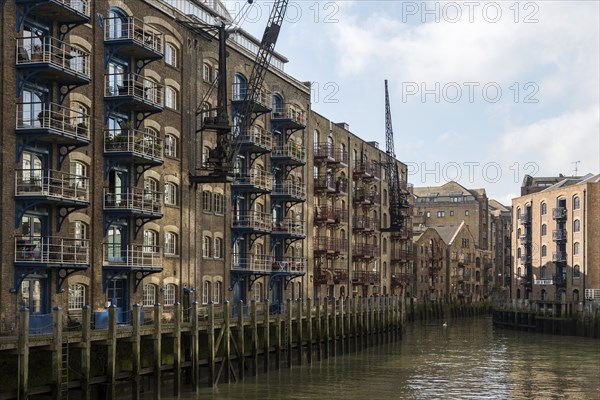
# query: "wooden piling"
299 344
86 349
240 342
177 350
23 389
288 331
254 341
266 333
57 367
210 344
157 347
136 383
309 328
319 330
326 332
333 327
342 322
195 347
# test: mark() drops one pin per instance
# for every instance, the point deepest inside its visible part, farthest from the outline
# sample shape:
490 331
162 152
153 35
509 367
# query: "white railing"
258 136
290 264
51 250
240 91
252 219
51 183
49 50
131 28
137 199
133 85
292 150
132 255
291 188
252 262
289 112
139 143
256 177
80 6
37 115
289 225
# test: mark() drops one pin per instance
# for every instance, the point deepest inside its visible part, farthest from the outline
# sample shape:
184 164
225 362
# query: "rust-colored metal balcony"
289 227
404 233
289 117
559 213
324 184
252 222
60 10
256 180
401 255
134 201
365 277
366 197
559 256
329 245
525 218
364 224
332 156
132 256
291 153
366 171
53 60
327 276
260 104
330 215
49 251
52 123
134 92
141 147
52 187
401 280
364 251
289 190
252 263
559 235
131 37
292 265
257 140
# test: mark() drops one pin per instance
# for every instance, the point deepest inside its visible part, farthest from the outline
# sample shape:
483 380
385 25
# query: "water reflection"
466 360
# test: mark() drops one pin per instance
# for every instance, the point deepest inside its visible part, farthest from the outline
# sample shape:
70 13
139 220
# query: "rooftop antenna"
576 164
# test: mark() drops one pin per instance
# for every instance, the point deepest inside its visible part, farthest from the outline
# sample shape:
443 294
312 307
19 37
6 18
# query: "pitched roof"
447 189
496 205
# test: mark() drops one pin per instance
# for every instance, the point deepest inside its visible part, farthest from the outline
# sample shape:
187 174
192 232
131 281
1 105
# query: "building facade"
555 241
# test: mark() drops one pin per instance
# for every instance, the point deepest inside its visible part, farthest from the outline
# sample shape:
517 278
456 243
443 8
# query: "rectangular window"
171 55
149 295
169 294
170 146
466 213
465 243
217 292
206 247
452 213
205 292
171 98
218 203
170 244
206 200
218 248
170 194
441 214
76 297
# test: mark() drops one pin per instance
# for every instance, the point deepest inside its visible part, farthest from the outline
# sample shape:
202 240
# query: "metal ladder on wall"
64 377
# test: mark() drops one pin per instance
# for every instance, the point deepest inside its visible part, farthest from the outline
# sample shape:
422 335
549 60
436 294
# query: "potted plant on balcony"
82 129
36 53
44 118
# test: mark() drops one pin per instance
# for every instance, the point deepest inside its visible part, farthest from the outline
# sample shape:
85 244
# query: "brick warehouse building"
98 161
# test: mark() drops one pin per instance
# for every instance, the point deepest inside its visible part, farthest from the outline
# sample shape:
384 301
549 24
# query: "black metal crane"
398 195
221 159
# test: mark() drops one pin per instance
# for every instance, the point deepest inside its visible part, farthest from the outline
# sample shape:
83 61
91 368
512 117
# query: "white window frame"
205 292
150 241
170 194
171 241
171 143
76 298
171 95
149 295
169 295
171 54
206 246
218 251
216 294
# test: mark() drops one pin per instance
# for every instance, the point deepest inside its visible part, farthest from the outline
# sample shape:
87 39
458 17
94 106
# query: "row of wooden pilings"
227 344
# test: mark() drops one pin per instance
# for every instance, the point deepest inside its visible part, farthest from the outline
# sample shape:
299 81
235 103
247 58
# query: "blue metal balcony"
133 92
52 123
142 148
72 11
131 37
45 186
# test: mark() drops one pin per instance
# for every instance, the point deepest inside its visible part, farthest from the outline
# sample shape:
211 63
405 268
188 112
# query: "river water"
468 359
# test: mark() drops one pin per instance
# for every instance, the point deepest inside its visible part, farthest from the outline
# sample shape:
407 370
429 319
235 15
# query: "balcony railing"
63 121
324 276
364 250
324 182
133 85
559 213
256 178
262 97
366 170
559 235
252 220
50 183
524 239
292 150
365 277
262 263
139 200
291 264
54 53
290 188
135 30
330 244
258 137
291 113
68 7
366 196
289 226
332 155
51 250
340 215
401 279
139 144
132 255
365 223
559 256
525 219
401 255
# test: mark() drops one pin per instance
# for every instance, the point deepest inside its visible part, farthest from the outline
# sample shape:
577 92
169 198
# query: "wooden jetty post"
254 333
136 383
299 344
309 329
112 351
266 333
177 350
157 347
23 390
86 349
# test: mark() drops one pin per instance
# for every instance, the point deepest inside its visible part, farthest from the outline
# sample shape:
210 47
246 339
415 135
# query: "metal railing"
366 196
137 199
289 112
140 143
131 28
51 183
324 182
80 6
291 264
365 223
365 276
327 150
132 255
364 250
401 255
252 219
525 218
289 225
559 235
255 177
367 170
261 96
51 250
38 115
291 188
49 50
559 256
258 136
133 85
252 262
292 150
323 213
326 243
559 213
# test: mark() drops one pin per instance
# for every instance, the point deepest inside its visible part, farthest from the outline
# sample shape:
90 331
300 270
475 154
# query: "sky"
481 92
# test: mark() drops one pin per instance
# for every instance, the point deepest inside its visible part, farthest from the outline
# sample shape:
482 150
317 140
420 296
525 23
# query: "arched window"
385 220
576 203
171 243
384 246
217 289
576 248
258 288
384 269
544 230
206 247
207 72
171 96
278 104
151 192
206 200
118 26
543 272
149 295
543 208
543 294
240 86
518 233
170 194
171 55
576 226
81 234
576 271
519 272
171 146
76 296
385 197
544 250
169 294
150 241
78 179
218 248
518 213
519 252
205 292
330 146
